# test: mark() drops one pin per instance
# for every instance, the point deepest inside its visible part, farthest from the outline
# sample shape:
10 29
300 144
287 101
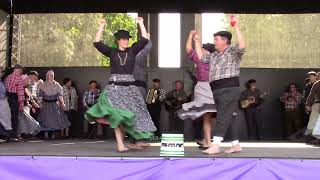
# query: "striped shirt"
15 84
70 98
225 65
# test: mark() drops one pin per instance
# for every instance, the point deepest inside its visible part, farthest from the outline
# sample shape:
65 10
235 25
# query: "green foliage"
66 39
280 40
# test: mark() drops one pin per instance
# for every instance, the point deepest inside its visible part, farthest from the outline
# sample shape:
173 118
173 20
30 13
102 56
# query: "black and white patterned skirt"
129 98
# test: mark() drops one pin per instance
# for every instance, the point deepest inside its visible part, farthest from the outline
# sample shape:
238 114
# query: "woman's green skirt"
115 116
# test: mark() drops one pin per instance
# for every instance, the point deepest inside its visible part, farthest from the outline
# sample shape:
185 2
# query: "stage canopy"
155 6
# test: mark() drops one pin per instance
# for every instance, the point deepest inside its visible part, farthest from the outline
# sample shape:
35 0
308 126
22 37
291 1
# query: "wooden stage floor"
101 148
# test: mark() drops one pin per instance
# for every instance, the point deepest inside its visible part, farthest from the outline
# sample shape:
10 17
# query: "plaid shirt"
225 65
34 90
291 102
15 84
162 94
90 97
70 98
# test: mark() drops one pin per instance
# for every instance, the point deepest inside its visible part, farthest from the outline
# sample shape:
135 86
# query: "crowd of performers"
126 106
21 97
121 105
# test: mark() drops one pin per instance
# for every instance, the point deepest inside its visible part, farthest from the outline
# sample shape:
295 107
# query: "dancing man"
15 94
224 81
121 104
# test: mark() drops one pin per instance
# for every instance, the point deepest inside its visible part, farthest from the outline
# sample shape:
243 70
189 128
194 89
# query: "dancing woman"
27 124
5 113
121 103
203 104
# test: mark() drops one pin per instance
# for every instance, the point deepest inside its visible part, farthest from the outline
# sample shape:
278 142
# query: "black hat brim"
122 34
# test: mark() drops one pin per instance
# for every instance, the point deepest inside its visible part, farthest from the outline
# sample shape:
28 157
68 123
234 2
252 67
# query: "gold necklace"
122 63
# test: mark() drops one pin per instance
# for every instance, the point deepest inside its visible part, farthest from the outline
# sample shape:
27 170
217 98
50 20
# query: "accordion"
152 96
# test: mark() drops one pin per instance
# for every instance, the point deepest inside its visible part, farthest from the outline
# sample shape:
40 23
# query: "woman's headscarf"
50 87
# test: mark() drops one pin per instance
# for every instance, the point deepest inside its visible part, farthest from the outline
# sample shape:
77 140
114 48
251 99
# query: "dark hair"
292 84
225 35
249 82
33 73
288 87
156 80
93 81
209 47
66 80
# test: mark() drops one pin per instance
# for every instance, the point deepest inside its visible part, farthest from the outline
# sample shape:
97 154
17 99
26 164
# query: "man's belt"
50 101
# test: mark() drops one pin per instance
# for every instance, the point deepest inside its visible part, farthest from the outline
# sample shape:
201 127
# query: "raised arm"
240 38
143 29
98 44
198 45
189 41
205 58
102 23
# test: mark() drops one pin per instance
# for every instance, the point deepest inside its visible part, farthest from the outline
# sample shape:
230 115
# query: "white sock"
217 140
234 143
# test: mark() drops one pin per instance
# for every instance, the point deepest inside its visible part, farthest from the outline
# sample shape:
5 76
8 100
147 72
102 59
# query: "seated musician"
174 101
